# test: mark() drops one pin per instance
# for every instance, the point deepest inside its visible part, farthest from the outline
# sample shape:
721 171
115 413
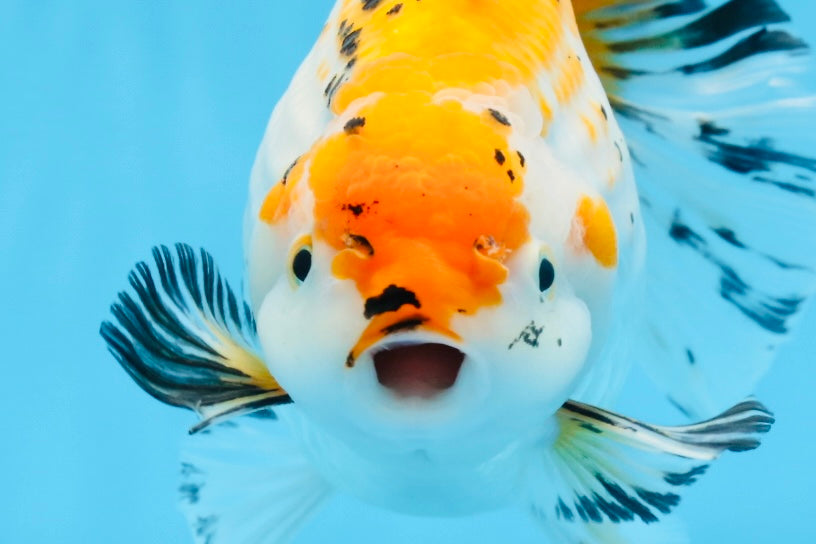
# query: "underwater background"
125 125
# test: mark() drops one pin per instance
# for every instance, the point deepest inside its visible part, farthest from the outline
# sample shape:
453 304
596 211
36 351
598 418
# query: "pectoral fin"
188 341
605 469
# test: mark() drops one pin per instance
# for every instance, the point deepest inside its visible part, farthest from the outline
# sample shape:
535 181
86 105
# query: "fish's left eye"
300 260
302 263
546 274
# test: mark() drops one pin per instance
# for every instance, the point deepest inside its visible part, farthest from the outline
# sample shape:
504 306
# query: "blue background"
130 125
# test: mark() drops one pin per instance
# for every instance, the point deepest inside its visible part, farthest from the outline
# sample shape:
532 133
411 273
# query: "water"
126 126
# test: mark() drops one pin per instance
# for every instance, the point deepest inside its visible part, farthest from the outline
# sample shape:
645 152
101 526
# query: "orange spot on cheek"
596 231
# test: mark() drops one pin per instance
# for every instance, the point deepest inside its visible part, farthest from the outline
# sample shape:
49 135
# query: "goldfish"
466 220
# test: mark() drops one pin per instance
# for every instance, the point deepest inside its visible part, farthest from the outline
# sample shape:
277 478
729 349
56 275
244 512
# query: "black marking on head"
511 175
353 125
390 300
762 41
685 478
529 335
408 324
499 156
499 116
603 112
522 160
370 4
690 356
394 9
350 64
355 209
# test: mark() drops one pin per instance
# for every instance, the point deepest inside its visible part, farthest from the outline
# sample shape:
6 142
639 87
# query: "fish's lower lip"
418 369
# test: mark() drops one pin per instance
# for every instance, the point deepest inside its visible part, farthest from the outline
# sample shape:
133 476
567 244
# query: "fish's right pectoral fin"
607 477
188 340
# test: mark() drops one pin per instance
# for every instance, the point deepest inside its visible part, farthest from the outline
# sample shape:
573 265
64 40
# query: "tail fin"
717 101
246 481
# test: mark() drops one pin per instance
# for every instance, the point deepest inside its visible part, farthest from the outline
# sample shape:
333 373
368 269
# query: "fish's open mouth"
418 370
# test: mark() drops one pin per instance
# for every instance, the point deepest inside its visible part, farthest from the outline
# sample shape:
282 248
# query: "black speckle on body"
370 4
499 116
529 335
354 125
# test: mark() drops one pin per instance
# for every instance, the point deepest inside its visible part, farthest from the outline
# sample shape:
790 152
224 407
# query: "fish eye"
546 274
301 261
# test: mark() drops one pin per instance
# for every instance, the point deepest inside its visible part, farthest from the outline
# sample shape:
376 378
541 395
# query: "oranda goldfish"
448 273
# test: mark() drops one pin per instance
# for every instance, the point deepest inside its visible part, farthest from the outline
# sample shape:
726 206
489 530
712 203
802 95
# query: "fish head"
427 290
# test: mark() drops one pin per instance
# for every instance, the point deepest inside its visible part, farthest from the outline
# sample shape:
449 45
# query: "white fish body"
446 253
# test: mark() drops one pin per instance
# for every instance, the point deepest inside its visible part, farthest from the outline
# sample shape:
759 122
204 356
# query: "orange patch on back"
597 231
456 42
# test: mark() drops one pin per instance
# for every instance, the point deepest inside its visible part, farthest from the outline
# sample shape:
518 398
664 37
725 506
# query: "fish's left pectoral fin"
605 469
187 340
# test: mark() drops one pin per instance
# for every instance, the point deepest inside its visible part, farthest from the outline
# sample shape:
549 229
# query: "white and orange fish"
448 270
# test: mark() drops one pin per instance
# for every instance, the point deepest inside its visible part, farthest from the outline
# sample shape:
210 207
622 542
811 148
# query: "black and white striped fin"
183 336
246 481
717 101
605 470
